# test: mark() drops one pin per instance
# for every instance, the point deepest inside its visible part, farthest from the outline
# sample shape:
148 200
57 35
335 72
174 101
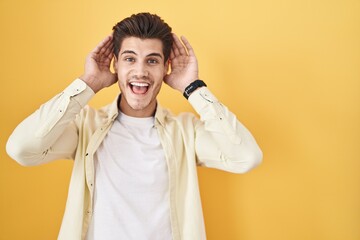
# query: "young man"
134 174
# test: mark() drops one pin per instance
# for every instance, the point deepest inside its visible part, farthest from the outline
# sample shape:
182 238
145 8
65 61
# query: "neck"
142 112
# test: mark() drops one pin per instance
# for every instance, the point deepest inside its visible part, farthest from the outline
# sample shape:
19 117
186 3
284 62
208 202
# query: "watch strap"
192 87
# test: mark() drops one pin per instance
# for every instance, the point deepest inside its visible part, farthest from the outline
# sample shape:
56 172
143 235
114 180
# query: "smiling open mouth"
139 87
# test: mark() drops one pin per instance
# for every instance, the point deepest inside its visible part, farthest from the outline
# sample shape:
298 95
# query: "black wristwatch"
192 87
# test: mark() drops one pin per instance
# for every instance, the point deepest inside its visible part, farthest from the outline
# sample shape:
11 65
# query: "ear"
115 63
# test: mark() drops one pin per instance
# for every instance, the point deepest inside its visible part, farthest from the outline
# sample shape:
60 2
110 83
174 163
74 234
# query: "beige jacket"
65 127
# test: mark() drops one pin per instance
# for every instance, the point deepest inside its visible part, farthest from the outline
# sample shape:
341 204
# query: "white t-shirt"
131 195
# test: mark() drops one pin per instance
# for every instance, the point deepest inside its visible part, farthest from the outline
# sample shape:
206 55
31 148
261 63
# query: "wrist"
92 82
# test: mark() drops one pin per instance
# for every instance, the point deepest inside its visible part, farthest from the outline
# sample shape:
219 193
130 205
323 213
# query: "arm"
50 133
221 141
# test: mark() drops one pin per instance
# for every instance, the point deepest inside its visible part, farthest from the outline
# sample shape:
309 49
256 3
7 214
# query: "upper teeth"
139 84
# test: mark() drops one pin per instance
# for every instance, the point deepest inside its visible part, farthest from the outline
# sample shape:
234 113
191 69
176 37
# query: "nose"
140 71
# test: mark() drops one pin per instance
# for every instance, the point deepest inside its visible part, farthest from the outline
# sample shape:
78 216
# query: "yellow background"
290 71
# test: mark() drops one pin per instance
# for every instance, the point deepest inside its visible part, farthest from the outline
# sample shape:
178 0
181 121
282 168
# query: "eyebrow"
149 55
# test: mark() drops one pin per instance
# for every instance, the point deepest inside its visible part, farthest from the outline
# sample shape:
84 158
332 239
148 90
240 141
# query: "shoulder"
98 116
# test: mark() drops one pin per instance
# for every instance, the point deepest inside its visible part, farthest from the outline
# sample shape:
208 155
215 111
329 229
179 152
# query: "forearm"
221 140
50 132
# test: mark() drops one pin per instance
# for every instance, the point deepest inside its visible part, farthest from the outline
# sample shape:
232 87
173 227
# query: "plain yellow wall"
290 71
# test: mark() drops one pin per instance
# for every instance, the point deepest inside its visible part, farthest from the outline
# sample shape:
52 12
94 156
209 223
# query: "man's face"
140 68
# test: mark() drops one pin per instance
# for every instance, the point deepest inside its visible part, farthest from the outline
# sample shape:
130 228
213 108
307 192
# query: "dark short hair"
144 26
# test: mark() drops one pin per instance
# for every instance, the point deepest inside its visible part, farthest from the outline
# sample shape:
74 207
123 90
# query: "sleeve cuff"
201 98
79 91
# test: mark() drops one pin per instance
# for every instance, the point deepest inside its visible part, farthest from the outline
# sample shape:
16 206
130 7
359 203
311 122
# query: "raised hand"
183 63
97 66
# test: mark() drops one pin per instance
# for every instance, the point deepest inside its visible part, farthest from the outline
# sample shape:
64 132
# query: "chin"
139 105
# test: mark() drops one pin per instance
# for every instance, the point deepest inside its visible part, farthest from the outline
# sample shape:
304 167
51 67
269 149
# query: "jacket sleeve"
221 141
50 133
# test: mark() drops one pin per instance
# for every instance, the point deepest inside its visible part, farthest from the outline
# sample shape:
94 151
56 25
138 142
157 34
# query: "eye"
129 59
152 61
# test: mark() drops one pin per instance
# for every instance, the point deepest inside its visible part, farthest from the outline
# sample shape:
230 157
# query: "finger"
188 46
104 50
102 44
108 41
109 51
172 54
175 50
106 58
179 45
